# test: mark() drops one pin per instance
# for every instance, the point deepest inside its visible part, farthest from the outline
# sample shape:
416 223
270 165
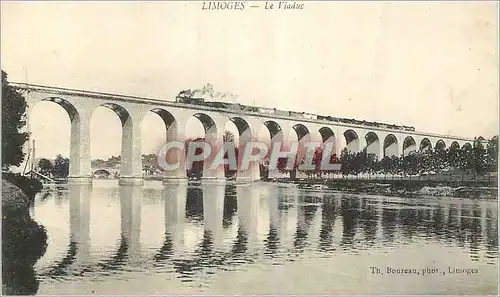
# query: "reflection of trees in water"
369 221
475 230
424 215
438 223
23 243
21 282
44 196
408 223
272 241
491 234
453 224
389 218
194 204
328 216
60 196
230 206
459 224
305 214
349 209
463 226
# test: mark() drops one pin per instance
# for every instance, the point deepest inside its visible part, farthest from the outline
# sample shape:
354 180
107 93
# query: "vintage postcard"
249 148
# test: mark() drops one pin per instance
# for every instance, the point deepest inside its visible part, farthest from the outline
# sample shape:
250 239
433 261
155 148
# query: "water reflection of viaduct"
294 224
381 140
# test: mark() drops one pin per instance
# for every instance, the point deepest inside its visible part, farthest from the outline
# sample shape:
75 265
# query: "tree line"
477 159
57 169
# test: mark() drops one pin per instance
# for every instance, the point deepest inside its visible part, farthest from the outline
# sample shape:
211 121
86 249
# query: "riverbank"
23 242
403 188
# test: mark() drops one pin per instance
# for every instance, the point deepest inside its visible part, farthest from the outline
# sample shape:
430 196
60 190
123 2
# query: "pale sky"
432 65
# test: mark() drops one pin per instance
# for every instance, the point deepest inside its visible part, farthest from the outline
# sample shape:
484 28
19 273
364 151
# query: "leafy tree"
333 160
492 154
396 166
317 156
317 161
464 157
264 171
46 167
454 157
477 161
228 136
228 170
371 163
357 163
426 162
98 163
13 111
440 156
410 164
346 159
386 165
61 167
196 170
281 165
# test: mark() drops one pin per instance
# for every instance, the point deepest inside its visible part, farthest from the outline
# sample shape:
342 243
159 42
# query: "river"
262 238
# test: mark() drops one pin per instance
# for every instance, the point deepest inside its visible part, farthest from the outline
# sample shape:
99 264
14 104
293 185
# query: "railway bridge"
377 138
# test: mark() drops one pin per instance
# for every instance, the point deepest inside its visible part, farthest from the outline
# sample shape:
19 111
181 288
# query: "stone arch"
65 104
372 144
329 140
167 117
79 155
352 141
409 145
101 172
301 131
173 131
120 111
245 134
454 145
276 136
208 125
327 134
391 147
440 145
131 152
214 138
425 144
275 130
303 136
244 129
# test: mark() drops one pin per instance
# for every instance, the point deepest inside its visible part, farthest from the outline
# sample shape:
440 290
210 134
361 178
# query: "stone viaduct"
380 139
